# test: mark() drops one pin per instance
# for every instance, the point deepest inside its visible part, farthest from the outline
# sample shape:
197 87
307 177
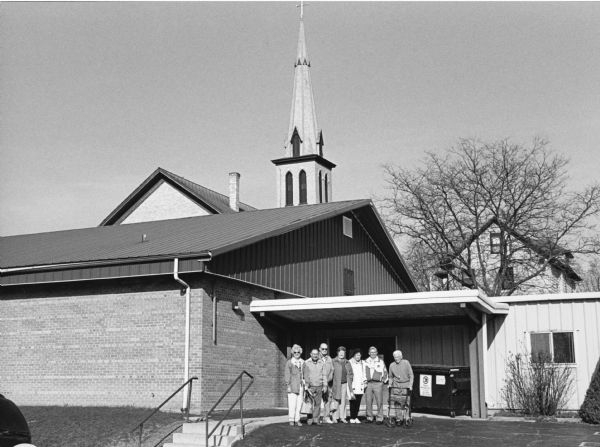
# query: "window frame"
496 249
296 142
347 227
550 334
302 189
320 187
289 189
348 285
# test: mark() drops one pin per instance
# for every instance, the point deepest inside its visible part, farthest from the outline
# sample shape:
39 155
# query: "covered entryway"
430 327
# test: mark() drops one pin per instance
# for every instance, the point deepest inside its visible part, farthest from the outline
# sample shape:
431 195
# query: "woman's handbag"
307 403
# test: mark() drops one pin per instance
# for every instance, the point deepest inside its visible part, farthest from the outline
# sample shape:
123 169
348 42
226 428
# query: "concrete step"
200 439
194 435
224 429
198 444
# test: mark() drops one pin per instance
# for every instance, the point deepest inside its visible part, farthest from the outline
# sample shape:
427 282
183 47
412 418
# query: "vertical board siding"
509 335
310 261
420 344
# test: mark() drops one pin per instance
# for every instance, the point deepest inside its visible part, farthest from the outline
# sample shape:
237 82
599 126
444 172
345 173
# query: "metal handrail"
177 427
185 410
239 399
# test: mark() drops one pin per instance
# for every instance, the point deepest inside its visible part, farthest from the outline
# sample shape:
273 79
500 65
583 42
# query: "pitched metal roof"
207 198
216 234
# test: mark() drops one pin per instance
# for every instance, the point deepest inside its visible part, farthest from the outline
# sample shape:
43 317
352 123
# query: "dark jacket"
338 366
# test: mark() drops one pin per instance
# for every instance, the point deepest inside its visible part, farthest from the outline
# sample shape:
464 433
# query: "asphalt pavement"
430 432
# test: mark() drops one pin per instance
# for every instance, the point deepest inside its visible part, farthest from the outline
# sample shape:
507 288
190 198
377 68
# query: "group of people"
322 386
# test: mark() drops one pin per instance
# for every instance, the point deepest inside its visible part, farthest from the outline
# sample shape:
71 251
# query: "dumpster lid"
438 368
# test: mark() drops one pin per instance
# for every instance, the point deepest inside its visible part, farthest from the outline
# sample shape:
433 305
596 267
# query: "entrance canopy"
455 303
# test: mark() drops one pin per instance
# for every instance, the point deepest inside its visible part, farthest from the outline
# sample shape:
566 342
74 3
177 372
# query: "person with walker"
400 385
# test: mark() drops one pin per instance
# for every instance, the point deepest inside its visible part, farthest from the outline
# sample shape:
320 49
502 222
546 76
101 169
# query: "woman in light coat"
294 383
359 381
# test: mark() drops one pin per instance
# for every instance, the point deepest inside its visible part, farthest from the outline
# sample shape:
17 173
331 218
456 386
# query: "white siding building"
567 324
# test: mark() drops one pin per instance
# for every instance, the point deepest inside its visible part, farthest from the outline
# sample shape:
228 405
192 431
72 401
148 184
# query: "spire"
301 55
303 117
303 174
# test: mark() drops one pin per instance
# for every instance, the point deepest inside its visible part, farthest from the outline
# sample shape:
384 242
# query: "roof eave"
203 255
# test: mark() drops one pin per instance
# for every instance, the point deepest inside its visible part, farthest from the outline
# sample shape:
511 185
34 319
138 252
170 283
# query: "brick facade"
121 342
241 343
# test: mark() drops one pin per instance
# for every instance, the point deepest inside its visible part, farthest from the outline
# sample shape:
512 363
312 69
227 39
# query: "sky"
95 96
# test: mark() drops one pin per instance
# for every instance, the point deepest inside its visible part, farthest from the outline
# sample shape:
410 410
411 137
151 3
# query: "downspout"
186 355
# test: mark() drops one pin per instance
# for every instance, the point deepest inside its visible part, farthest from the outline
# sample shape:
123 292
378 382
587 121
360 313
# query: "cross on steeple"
301 6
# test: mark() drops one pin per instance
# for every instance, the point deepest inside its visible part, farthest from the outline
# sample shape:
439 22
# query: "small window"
296 143
348 282
326 187
320 143
508 282
495 243
302 184
320 188
289 189
347 226
558 347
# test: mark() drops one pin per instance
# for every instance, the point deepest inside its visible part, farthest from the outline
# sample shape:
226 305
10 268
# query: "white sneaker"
356 421
329 421
353 421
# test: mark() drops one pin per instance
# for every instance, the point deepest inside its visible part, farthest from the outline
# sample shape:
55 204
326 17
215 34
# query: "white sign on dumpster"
425 385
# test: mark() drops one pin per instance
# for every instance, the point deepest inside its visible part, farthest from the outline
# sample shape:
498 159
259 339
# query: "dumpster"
442 389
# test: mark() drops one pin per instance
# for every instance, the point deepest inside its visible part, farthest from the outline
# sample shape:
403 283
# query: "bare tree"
446 205
590 277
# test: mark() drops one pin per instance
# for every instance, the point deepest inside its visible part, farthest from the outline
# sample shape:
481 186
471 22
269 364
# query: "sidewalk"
431 431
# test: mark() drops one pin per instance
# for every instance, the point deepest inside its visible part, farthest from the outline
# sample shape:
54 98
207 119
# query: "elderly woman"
294 382
359 381
341 389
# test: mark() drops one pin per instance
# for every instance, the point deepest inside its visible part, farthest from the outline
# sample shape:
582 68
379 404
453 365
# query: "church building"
181 281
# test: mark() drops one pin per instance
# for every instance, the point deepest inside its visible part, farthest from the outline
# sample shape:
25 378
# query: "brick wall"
241 343
112 343
102 343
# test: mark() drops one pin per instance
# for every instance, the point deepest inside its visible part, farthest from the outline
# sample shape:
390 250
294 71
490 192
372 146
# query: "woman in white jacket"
358 385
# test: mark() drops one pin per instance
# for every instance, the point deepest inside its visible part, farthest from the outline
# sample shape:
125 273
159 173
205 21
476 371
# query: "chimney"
234 191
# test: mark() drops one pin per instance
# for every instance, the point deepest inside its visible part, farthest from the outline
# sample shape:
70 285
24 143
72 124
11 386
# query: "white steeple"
303 116
303 175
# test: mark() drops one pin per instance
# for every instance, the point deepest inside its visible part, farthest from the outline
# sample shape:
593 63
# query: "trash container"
442 389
